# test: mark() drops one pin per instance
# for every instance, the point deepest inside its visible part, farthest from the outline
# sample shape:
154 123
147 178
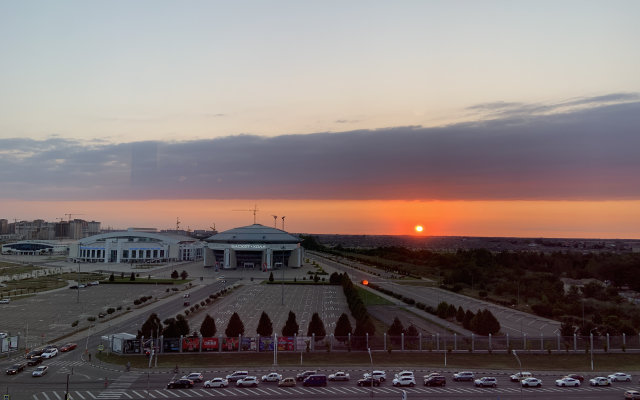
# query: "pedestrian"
89 357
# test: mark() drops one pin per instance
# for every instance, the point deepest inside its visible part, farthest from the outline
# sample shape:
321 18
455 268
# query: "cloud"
585 153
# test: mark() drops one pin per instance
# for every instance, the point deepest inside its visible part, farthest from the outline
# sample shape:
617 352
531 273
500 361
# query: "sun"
419 228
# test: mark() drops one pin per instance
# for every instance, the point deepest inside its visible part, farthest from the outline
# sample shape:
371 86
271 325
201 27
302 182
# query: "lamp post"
372 378
78 284
520 364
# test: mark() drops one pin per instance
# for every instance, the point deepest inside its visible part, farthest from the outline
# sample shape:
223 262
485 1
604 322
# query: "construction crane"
69 215
283 223
275 220
177 223
254 211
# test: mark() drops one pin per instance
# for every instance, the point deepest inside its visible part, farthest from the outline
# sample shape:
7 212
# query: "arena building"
253 246
37 247
136 246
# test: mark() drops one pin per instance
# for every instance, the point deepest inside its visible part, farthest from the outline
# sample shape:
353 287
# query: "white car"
404 373
404 381
566 381
531 382
620 377
632 394
599 381
380 375
194 376
50 353
251 381
272 377
518 376
41 370
486 381
339 376
216 383
5 301
463 376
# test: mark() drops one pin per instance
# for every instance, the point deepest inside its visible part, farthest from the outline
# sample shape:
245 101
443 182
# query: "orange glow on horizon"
575 219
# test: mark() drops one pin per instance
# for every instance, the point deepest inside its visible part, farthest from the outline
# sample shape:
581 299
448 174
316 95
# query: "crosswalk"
120 389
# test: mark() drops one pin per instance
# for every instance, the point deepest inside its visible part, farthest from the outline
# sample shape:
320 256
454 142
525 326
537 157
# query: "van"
315 380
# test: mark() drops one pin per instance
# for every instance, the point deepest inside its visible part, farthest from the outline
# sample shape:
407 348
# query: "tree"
567 328
343 327
151 327
265 327
468 317
111 277
485 323
396 328
174 274
290 327
132 277
443 310
235 326
271 277
316 327
364 326
182 325
208 327
335 278
184 275
170 329
460 314
411 331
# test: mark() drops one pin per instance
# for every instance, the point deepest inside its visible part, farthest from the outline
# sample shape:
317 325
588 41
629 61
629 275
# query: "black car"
34 353
301 377
368 381
35 360
15 368
180 383
435 381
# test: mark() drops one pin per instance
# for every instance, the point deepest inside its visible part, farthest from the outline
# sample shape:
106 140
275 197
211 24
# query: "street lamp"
520 364
372 378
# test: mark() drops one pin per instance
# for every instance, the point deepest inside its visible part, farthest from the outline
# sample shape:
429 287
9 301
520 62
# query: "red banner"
210 344
191 344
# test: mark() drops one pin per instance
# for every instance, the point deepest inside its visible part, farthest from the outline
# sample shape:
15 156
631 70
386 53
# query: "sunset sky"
479 118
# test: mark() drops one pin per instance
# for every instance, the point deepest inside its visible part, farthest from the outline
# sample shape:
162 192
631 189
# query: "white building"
253 246
133 246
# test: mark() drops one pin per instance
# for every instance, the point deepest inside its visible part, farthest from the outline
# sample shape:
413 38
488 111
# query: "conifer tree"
235 326
343 327
290 327
265 327
208 327
396 328
316 326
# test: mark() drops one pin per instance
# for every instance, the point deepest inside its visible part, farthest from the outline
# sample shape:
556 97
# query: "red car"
68 346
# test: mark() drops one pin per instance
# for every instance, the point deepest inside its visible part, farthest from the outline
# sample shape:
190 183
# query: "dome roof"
255 233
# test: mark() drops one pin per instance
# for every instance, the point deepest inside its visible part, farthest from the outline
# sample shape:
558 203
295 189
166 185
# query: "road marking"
80 395
57 396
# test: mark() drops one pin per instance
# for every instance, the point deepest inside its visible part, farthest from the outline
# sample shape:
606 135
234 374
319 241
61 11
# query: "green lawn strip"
369 298
563 363
145 281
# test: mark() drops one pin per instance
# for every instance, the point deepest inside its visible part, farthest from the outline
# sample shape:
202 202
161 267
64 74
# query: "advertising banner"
230 344
248 344
210 344
285 343
171 345
191 344
266 343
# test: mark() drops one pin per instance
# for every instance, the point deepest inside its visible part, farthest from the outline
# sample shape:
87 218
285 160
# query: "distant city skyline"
488 118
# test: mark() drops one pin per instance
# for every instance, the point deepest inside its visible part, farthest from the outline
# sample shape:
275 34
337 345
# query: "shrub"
91 319
111 310
74 324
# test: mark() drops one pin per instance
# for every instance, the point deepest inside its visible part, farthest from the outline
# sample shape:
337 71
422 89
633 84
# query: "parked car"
234 377
381 375
435 380
247 381
567 381
518 376
404 381
463 376
50 353
35 360
576 376
272 377
303 375
339 376
4 301
599 381
68 347
15 368
368 381
216 383
486 381
180 383
40 371
531 382
632 394
287 382
315 380
194 376
620 377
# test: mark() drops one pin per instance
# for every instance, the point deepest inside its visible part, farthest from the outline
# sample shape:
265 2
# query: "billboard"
191 344
210 344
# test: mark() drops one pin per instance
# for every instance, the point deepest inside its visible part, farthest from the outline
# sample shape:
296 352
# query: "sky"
492 118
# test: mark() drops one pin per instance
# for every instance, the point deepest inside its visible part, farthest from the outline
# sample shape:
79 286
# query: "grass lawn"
503 361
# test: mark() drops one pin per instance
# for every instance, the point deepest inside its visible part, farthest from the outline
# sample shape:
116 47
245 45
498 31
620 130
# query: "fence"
420 343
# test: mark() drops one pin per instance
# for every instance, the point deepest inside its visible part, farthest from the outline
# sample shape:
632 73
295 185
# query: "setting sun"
419 228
